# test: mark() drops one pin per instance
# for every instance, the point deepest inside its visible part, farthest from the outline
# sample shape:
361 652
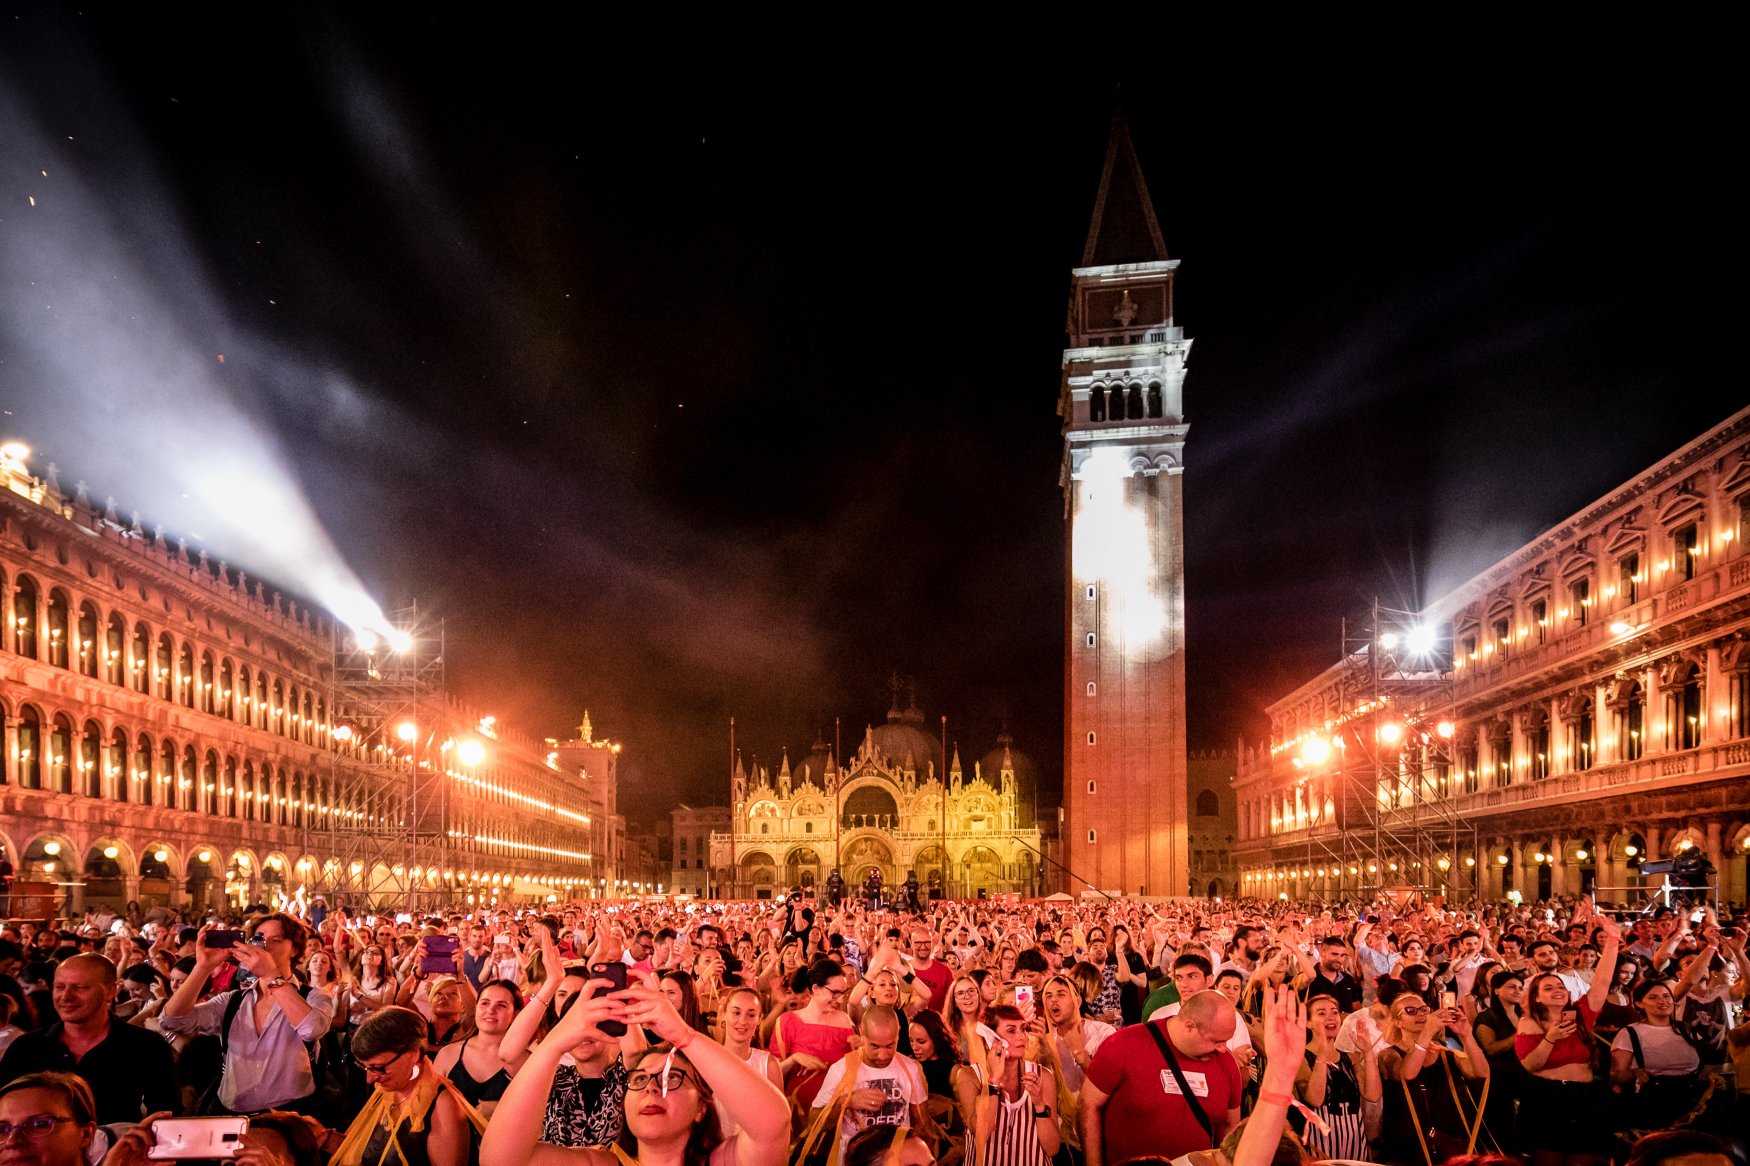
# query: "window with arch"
245 698
1208 804
1090 736
25 619
140 667
246 792
1097 403
1685 550
1091 688
209 784
163 666
1134 409
1580 602
208 696
277 710
30 748
115 643
168 776
1154 399
61 754
1090 836
225 701
1091 639
1115 403
144 779
117 765
87 647
1090 785
57 618
185 675
1686 709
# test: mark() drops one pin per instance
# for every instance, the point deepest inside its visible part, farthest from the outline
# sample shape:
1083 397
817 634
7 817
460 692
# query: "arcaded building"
1579 708
178 732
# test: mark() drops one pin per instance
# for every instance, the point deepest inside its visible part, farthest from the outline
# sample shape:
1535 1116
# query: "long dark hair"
689 1006
706 1134
930 1021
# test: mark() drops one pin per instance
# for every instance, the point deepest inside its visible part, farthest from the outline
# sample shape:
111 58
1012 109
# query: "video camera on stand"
1688 879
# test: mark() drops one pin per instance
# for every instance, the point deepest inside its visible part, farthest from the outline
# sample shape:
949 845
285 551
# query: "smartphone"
615 973
1449 999
440 954
197 1137
1024 1000
220 937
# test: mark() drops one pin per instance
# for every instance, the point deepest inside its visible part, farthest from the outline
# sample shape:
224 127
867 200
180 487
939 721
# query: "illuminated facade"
171 736
1582 705
1125 805
885 809
1214 824
690 873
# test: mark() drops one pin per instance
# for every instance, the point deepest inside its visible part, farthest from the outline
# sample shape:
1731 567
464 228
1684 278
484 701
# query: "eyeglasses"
835 993
381 1070
641 1080
32 1127
1413 1010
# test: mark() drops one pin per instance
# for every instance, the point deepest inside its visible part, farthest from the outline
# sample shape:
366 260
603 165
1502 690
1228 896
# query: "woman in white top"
1656 1061
741 1023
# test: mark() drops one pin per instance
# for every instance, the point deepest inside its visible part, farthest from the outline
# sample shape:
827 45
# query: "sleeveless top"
1341 1111
1014 1141
828 1042
757 1060
585 1111
476 1092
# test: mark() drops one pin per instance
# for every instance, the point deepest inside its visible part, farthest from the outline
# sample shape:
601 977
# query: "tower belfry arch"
1121 401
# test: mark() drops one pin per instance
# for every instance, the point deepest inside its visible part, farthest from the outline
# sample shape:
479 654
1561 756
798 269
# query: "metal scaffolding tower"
1388 817
390 795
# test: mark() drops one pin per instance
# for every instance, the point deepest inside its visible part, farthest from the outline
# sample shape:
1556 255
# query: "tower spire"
1124 228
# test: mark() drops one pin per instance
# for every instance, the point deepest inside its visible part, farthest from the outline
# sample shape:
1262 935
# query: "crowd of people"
850 1033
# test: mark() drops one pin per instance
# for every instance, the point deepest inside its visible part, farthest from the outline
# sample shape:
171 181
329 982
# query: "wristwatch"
1039 1113
275 983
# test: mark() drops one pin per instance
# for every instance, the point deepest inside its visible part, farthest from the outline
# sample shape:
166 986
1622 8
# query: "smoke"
122 364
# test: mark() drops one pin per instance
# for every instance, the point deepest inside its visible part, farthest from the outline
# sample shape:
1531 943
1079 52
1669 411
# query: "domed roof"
904 736
991 766
816 763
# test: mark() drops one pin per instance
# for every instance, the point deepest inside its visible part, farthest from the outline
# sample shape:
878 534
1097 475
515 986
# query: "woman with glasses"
963 1011
808 1040
672 1101
414 1116
1429 1111
46 1119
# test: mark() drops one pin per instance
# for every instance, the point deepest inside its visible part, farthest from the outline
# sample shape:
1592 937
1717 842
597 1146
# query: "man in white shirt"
1546 957
1076 1037
889 1085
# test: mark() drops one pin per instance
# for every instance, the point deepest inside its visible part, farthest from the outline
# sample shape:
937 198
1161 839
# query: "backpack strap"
1161 1042
1634 1040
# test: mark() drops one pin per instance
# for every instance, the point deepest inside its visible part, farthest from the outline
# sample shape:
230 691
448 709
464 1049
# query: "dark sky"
690 380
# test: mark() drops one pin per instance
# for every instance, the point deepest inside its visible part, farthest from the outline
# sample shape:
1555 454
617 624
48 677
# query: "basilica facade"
891 807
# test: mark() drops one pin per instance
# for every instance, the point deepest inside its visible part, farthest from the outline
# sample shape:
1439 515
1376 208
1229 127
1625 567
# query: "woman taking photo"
1654 1063
1340 1088
1562 1118
476 1064
1429 1112
670 1115
810 1039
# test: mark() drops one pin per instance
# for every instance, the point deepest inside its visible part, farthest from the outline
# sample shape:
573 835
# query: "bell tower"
1122 404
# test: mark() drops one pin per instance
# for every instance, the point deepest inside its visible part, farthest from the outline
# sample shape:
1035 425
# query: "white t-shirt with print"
902 1081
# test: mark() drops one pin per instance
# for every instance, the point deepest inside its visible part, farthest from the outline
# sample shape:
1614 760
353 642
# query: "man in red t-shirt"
1132 1103
926 967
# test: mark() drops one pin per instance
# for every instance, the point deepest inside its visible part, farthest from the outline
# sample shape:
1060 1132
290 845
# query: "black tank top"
476 1092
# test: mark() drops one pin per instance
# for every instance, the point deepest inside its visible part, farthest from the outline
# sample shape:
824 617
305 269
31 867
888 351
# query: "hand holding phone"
175 1138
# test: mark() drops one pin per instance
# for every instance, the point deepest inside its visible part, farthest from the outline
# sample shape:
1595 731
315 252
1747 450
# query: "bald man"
130 1070
1165 1087
889 1086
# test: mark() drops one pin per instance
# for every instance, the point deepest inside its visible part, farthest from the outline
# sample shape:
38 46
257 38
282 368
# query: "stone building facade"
1213 824
886 808
693 826
1584 707
171 735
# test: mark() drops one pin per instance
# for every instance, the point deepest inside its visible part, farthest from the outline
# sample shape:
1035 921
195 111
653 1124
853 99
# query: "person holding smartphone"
1562 1116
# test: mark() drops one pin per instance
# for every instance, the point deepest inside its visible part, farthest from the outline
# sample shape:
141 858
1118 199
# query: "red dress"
828 1042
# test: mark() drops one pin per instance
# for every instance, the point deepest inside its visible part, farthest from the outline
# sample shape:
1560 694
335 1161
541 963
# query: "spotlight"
470 752
1420 640
407 730
1621 627
1391 732
401 641
1388 641
1446 729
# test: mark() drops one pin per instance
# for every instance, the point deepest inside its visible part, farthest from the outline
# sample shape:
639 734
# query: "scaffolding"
391 816
1387 822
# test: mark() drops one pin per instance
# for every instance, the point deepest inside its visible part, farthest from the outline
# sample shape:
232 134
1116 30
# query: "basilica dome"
904 735
1026 775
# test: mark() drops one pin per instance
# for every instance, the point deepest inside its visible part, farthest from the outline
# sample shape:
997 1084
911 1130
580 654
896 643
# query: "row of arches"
56 753
54 626
1124 402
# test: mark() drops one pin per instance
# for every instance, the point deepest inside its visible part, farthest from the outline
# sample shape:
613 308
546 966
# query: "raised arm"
1605 973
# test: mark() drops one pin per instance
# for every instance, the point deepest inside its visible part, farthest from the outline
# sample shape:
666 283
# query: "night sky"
688 381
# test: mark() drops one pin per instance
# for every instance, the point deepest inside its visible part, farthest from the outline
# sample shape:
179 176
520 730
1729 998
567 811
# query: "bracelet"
1275 1098
1042 1114
681 1044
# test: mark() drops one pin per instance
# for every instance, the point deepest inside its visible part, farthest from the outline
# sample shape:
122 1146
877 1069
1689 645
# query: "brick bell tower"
1122 404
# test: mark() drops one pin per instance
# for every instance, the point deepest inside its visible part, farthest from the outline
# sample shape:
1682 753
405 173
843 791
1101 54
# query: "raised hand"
1284 1027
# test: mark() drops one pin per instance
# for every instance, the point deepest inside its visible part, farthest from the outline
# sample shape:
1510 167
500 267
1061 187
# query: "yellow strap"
834 1109
1416 1120
625 1158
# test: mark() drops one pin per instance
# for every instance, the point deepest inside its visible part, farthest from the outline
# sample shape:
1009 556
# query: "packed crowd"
670 1033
